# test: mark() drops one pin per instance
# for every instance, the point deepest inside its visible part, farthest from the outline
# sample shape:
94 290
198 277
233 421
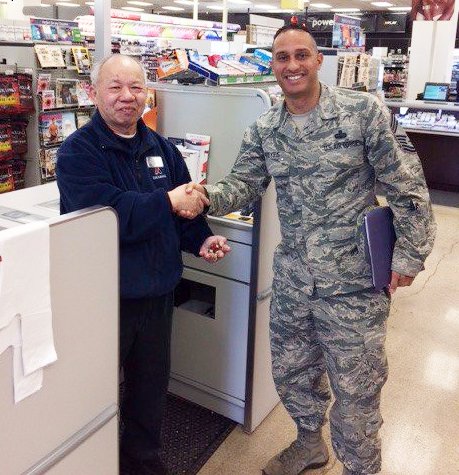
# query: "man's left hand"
214 248
398 280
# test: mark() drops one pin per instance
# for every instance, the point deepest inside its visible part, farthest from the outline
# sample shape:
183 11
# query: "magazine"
48 99
50 128
68 124
192 159
49 56
202 144
43 82
83 88
82 118
82 59
68 57
48 159
66 94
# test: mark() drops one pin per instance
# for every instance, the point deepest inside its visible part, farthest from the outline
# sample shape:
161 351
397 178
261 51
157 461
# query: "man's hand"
214 248
398 280
195 186
187 204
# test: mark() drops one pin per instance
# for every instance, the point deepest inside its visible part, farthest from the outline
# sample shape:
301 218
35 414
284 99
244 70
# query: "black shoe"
153 467
132 466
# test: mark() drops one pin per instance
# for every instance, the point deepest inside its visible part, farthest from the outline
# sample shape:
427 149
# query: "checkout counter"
70 425
433 129
221 357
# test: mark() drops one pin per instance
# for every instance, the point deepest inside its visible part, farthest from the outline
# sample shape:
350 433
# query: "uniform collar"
324 110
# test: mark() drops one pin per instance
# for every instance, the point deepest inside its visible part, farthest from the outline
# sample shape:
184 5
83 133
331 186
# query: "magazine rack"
65 101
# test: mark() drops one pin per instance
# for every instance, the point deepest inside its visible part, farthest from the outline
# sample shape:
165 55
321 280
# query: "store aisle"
421 398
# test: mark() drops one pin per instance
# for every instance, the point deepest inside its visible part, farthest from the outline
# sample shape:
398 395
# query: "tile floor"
421 399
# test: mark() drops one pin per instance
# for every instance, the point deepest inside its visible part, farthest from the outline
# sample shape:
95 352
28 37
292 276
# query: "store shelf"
258 78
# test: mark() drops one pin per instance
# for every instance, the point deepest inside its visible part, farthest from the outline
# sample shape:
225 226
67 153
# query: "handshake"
188 200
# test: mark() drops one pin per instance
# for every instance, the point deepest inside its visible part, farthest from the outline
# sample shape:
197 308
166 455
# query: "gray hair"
99 64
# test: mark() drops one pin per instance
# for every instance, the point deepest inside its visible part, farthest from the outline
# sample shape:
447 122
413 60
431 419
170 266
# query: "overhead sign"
391 23
347 32
320 23
368 23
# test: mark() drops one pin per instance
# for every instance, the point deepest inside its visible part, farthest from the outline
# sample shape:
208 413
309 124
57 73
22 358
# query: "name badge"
155 162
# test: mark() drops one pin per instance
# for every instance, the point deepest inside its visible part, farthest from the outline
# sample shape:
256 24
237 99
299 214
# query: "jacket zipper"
138 171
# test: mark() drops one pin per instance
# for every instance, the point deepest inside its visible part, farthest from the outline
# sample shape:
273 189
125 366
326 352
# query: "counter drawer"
236 265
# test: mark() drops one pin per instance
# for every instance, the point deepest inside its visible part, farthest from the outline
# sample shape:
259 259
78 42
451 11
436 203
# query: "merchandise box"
251 60
208 72
263 55
236 68
170 66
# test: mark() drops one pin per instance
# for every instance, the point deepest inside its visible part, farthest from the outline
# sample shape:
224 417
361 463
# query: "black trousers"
145 335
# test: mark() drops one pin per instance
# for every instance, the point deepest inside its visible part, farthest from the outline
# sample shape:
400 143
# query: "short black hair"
291 26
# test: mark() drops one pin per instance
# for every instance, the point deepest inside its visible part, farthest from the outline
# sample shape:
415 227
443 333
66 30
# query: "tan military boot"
307 451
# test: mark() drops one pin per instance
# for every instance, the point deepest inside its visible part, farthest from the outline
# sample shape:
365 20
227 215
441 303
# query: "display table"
433 129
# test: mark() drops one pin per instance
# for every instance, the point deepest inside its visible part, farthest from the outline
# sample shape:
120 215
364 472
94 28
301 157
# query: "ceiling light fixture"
320 5
345 10
133 9
184 2
140 4
215 7
399 9
240 2
173 9
382 4
91 4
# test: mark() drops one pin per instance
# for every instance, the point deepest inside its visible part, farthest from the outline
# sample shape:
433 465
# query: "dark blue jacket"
96 167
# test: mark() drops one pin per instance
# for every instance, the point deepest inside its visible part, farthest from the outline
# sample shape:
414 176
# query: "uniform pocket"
278 165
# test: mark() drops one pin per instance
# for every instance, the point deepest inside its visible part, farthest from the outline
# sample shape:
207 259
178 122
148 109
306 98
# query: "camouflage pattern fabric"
325 317
325 181
343 336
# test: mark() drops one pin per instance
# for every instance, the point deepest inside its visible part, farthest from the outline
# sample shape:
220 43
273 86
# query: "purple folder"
380 240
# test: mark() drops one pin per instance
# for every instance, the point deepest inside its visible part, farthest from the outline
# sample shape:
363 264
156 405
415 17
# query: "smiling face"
296 63
120 94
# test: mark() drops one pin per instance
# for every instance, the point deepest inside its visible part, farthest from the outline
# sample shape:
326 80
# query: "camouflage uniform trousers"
342 336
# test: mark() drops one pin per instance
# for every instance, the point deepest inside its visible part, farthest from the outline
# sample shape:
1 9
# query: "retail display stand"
65 112
220 343
69 426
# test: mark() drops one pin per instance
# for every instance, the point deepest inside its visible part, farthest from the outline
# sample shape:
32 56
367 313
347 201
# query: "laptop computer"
436 91
380 240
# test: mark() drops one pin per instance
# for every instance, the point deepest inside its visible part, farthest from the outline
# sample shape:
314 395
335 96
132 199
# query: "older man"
115 160
326 148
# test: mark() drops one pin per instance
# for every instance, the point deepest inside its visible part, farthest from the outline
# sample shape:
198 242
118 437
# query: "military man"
326 148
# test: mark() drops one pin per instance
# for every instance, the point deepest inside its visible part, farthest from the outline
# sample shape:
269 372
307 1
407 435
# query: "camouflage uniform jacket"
325 179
